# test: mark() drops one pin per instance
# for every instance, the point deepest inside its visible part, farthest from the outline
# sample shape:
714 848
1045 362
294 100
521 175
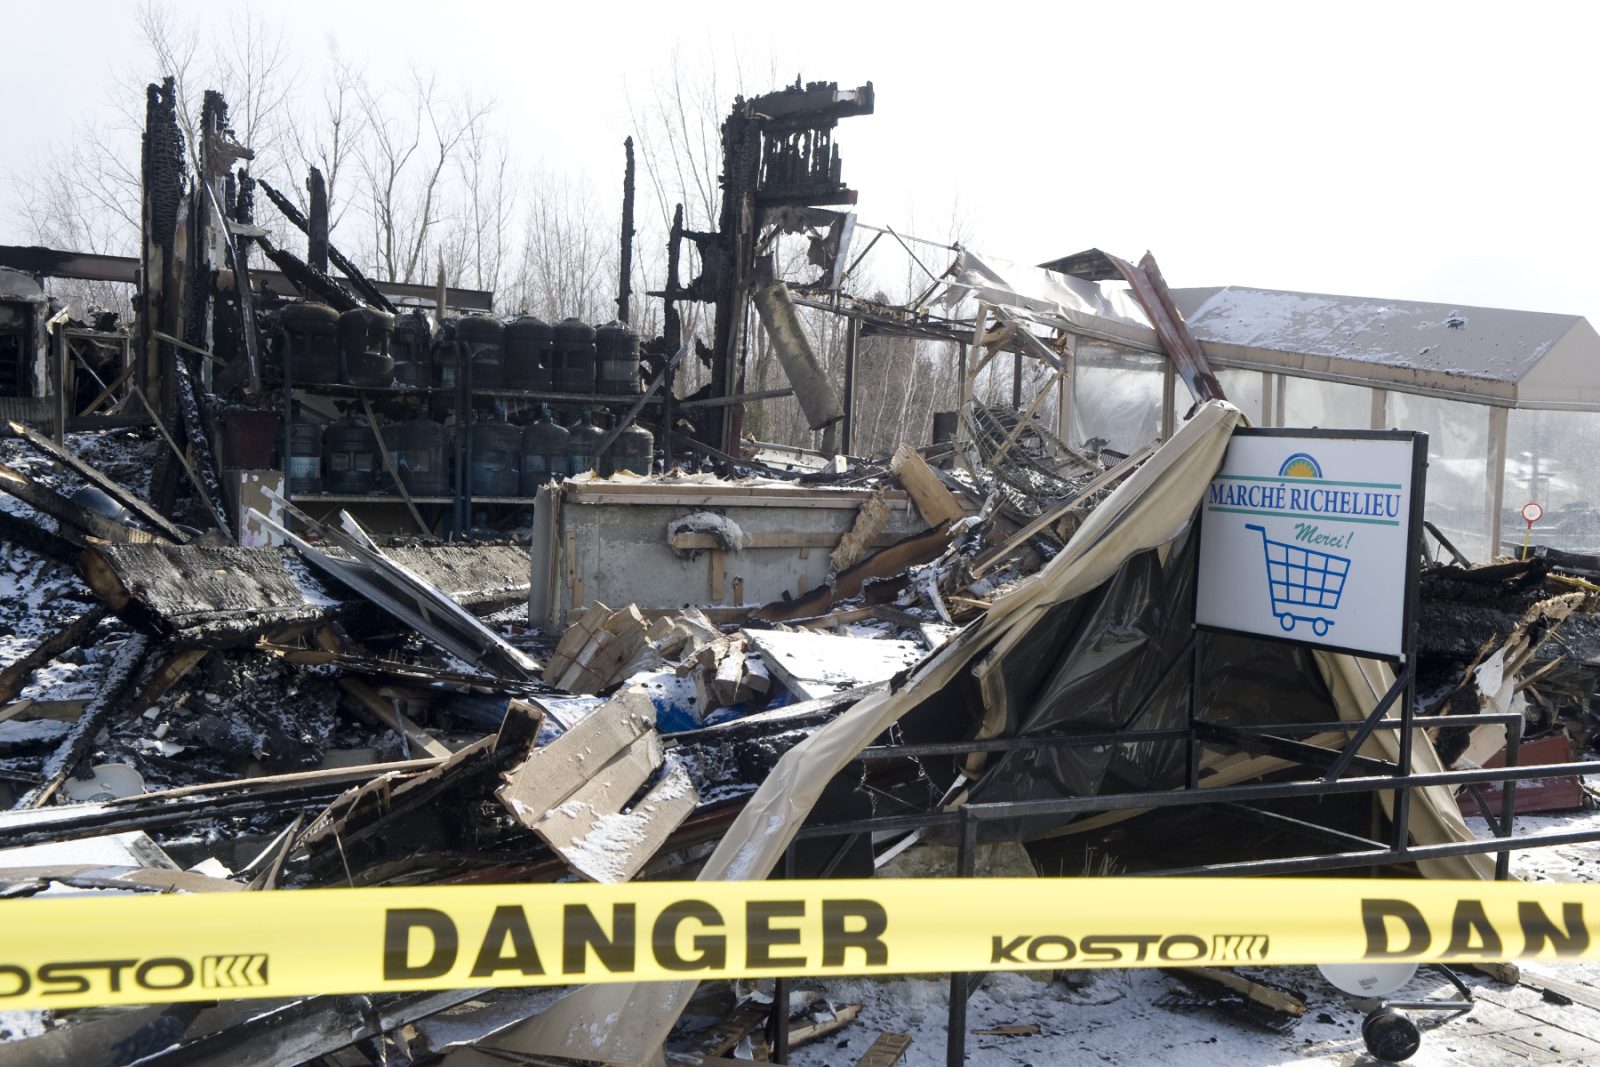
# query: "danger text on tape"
101 949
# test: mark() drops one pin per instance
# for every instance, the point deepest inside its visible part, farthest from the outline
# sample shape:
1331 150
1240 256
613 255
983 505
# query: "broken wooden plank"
720 1038
391 716
843 1016
178 664
605 793
888 563
616 846
886 1050
1257 1002
15 677
553 773
1010 1030
935 503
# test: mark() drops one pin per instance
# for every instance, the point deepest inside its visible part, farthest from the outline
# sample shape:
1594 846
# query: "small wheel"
1319 627
1286 621
1390 1035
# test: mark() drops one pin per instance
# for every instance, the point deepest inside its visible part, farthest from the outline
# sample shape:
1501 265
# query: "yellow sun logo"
1300 465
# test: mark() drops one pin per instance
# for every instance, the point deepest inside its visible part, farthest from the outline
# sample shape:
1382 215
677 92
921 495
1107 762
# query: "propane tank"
480 338
616 360
417 448
350 456
364 335
412 348
305 454
573 367
544 452
310 343
583 441
529 346
633 450
496 447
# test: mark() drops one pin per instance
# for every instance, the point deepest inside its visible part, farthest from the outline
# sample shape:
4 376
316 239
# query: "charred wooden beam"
358 280
118 681
134 503
73 635
625 268
310 281
317 247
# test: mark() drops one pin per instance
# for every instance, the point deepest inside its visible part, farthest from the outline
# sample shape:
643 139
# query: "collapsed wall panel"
668 545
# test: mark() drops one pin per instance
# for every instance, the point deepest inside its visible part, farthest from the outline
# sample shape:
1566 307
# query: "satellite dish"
1368 979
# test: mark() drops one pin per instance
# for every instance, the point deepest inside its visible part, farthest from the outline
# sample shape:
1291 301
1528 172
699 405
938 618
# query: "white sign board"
1307 536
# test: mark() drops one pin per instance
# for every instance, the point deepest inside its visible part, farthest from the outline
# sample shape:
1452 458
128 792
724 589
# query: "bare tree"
565 265
405 161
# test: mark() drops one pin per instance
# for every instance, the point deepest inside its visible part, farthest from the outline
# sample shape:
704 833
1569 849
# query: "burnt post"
625 268
317 224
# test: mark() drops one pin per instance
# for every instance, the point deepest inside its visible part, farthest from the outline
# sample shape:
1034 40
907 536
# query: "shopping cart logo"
1302 583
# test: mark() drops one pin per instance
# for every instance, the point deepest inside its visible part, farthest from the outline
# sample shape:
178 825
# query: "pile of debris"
339 712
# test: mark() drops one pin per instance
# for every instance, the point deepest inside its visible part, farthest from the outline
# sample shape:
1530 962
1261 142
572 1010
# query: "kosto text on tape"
77 951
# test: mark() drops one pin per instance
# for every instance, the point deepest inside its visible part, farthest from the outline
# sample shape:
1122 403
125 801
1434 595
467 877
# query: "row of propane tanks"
367 347
503 459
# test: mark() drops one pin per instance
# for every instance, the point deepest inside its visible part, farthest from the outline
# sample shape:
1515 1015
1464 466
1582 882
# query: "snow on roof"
1524 359
1492 355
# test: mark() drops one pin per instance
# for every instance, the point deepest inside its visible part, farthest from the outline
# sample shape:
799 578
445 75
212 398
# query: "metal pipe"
956 1034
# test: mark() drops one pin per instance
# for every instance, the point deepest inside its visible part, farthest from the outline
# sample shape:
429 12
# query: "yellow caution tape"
77 951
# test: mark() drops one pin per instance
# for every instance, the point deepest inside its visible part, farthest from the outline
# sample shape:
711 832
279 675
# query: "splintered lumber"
862 535
889 1049
934 502
72 635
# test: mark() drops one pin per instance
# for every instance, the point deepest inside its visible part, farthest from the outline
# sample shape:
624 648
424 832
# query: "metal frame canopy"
1496 356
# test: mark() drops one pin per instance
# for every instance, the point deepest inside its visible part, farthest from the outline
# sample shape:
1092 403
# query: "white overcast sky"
1434 151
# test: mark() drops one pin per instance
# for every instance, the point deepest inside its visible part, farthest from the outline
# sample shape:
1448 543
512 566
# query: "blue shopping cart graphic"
1302 582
